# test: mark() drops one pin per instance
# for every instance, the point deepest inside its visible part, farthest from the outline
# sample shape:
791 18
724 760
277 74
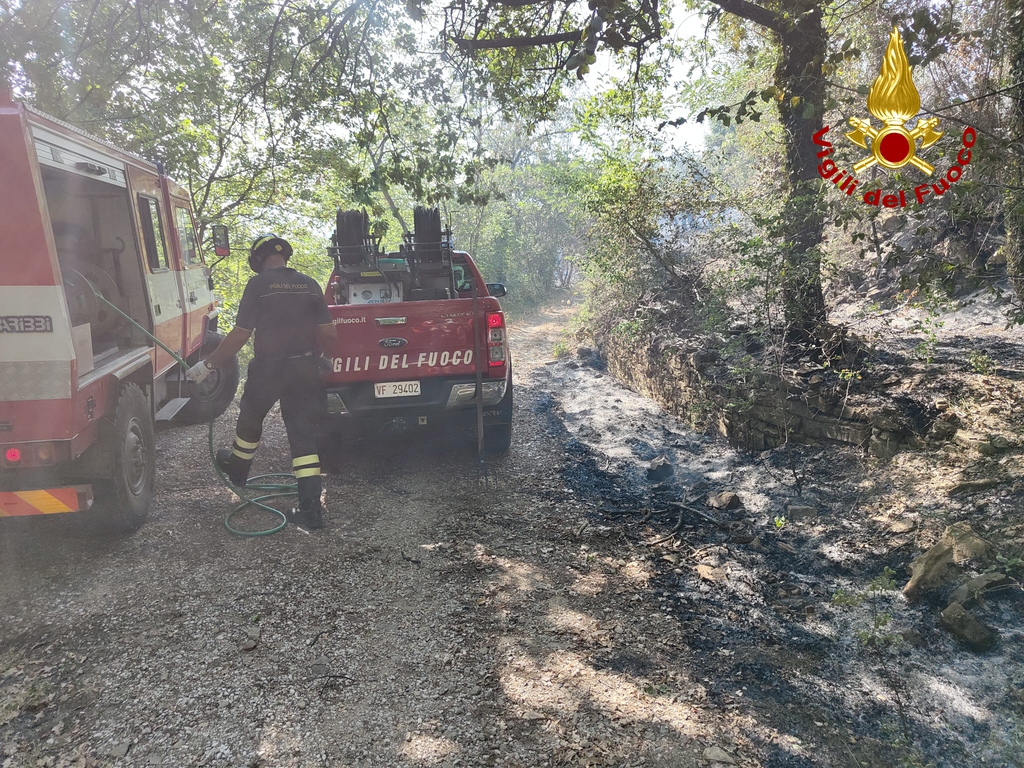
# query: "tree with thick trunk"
801 87
1014 199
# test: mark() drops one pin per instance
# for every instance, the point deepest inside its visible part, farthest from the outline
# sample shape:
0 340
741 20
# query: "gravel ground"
438 623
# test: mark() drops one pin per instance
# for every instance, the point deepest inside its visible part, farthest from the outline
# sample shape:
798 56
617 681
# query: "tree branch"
520 3
521 41
754 13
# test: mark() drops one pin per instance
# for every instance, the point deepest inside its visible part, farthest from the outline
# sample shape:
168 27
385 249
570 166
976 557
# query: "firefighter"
287 312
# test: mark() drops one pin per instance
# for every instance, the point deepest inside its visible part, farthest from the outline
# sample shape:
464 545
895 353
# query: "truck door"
194 274
164 289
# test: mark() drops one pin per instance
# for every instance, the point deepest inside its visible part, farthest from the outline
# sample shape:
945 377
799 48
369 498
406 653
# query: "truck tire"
223 388
498 437
130 441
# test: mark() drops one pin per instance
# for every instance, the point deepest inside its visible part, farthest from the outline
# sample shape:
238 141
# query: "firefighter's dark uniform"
283 307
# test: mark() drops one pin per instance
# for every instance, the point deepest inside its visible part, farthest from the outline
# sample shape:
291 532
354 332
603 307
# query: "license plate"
396 389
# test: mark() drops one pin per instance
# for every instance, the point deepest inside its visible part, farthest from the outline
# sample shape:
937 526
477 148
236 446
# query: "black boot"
309 514
235 468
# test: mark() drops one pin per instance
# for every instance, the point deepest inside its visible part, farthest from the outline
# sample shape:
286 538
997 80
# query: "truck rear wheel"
220 390
130 441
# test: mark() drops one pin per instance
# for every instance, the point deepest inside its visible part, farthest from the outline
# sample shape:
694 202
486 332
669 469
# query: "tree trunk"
1013 204
799 79
798 76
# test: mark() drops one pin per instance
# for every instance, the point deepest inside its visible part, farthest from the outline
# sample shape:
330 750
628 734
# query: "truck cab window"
463 278
186 236
153 233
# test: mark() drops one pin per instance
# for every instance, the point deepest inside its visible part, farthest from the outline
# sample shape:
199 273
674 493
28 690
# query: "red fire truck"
80 386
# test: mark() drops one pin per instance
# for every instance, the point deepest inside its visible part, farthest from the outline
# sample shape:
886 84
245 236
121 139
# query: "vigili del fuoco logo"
894 101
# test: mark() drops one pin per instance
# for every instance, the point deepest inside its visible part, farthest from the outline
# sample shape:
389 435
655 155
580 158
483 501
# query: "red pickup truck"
415 329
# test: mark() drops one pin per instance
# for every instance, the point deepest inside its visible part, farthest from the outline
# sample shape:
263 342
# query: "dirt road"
435 623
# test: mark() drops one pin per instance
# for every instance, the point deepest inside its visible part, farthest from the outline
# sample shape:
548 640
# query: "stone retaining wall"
761 413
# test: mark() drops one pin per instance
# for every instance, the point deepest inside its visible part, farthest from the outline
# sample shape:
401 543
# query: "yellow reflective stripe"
243 455
309 472
310 459
263 240
45 502
246 444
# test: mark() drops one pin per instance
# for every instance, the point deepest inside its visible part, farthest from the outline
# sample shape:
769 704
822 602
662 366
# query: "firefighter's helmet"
265 246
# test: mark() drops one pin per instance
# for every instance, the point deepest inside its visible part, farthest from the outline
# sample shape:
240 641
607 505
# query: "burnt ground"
438 623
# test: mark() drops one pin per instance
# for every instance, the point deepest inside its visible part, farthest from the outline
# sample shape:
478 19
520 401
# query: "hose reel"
82 283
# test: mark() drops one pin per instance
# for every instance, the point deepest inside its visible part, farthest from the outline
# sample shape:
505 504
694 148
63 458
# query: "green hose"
278 490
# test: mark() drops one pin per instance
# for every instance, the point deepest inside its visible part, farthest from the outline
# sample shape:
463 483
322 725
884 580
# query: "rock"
883 444
902 526
120 750
660 469
725 500
1000 443
800 512
719 755
700 359
885 420
913 637
968 593
967 629
942 429
932 569
973 486
534 715
966 544
248 645
985 448
710 573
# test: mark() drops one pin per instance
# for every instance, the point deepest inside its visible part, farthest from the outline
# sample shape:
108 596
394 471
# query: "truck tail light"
496 338
46 453
30 455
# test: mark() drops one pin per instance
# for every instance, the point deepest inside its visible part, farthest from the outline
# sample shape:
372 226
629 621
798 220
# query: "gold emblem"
894 100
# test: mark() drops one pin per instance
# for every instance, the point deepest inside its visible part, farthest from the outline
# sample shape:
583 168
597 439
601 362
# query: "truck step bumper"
48 501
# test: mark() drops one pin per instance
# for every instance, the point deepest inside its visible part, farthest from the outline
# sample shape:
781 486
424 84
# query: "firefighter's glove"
198 372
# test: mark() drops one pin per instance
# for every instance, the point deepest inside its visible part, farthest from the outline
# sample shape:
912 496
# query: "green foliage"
1011 565
876 634
981 363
